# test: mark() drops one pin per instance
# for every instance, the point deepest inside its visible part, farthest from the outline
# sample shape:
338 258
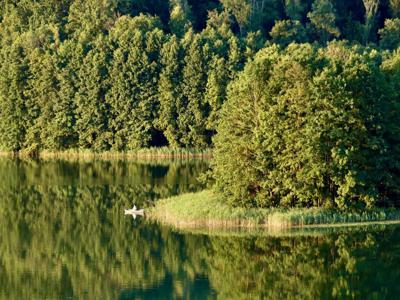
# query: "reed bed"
204 209
307 231
147 153
6 154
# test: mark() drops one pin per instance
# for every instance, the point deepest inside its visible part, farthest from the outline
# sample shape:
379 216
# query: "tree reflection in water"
63 235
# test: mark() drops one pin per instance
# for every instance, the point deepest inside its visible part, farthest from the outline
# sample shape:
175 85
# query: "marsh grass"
6 154
307 231
147 153
204 209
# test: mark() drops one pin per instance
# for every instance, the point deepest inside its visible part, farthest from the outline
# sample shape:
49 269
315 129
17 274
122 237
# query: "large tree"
169 88
300 127
134 76
13 111
92 111
194 109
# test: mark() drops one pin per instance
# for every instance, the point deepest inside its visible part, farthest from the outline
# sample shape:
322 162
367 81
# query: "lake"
64 235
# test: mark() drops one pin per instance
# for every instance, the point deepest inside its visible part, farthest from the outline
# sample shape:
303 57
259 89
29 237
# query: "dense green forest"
123 74
299 98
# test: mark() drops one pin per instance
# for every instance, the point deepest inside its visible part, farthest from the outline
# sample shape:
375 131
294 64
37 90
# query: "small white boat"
134 212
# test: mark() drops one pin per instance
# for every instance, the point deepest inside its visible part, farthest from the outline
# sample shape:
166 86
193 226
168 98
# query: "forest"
299 98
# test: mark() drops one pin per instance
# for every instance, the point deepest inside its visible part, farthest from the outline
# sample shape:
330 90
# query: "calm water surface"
63 235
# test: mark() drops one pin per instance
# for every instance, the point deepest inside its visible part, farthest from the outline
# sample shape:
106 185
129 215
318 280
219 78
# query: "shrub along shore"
205 209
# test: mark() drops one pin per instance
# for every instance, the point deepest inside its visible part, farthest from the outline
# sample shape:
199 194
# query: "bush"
310 127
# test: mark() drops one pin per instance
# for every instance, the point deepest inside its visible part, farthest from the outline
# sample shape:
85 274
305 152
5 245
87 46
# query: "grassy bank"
147 153
203 209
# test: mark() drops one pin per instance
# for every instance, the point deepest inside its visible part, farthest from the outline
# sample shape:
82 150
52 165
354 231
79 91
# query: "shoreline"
307 231
147 153
204 210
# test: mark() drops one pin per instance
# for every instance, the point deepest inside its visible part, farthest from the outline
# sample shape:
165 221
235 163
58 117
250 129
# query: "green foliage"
253 15
241 10
134 74
92 110
169 89
86 19
295 9
395 8
42 98
13 110
179 22
287 31
300 127
323 20
193 110
371 10
390 34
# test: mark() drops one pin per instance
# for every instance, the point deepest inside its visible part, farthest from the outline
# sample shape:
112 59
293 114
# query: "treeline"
122 75
82 75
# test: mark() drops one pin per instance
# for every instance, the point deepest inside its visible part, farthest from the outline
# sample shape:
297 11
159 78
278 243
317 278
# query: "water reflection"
66 237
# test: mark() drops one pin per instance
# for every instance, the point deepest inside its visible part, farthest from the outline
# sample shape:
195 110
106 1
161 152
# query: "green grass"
147 153
204 209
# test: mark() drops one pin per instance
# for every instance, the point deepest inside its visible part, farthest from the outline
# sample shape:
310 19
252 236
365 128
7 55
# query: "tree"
134 74
42 96
300 126
88 18
169 88
241 10
92 110
295 9
371 10
253 42
395 8
202 9
180 17
390 34
194 109
253 15
350 19
25 15
225 60
323 20
70 59
217 81
156 8
287 31
13 78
